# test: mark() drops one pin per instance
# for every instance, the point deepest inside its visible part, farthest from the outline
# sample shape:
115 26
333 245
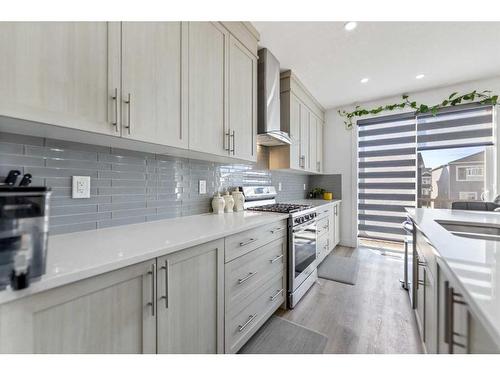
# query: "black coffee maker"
24 227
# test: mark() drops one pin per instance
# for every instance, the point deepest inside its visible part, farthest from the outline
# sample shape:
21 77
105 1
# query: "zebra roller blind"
465 126
387 157
386 175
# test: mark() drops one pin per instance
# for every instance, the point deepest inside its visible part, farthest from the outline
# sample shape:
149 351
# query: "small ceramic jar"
229 201
218 204
239 200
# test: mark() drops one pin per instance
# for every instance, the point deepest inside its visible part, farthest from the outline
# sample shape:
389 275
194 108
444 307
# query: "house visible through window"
468 195
426 180
470 173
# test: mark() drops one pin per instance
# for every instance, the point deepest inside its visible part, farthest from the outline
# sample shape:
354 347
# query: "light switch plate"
279 186
81 187
202 186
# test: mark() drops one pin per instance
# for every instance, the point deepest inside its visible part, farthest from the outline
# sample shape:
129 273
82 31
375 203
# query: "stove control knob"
297 220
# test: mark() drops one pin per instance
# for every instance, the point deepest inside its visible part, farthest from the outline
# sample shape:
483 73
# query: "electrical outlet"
279 186
81 187
202 186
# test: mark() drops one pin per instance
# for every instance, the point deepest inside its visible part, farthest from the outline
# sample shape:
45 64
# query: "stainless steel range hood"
268 103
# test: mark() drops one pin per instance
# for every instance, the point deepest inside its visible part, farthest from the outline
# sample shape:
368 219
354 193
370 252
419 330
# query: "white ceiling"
331 61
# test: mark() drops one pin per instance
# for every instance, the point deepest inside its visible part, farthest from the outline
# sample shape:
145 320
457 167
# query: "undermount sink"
472 230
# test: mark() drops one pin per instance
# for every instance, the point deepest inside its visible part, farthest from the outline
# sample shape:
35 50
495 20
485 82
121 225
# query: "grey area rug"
281 336
341 269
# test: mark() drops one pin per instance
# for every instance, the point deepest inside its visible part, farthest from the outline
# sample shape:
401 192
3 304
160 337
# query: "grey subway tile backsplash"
129 186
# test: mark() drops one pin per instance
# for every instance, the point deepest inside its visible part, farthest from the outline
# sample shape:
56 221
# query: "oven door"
303 253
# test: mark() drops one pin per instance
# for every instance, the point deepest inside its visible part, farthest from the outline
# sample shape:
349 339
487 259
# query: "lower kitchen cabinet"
110 313
190 300
460 332
445 322
255 285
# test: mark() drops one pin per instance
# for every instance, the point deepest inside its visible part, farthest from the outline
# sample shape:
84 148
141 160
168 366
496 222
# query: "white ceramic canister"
239 200
218 204
228 199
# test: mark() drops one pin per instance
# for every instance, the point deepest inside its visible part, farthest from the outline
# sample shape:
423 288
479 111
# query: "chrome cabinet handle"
244 325
167 294
276 295
302 161
128 101
275 230
248 242
234 145
114 97
276 259
153 283
250 275
335 210
227 138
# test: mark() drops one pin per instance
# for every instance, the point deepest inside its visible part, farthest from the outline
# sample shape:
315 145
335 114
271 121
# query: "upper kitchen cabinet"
181 88
151 83
207 43
61 73
221 89
242 101
302 117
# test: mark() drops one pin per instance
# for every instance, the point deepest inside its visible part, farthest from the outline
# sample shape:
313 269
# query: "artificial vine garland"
483 97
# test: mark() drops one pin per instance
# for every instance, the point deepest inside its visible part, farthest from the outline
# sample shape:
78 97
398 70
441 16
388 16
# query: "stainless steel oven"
301 255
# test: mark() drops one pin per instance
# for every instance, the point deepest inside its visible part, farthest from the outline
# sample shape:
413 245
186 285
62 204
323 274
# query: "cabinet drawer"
244 242
252 270
241 325
323 226
324 211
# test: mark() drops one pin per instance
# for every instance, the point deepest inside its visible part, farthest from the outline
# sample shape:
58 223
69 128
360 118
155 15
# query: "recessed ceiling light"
364 80
419 76
351 25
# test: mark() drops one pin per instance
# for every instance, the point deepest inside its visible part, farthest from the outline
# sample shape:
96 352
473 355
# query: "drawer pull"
248 242
275 230
244 325
325 227
277 258
250 275
277 295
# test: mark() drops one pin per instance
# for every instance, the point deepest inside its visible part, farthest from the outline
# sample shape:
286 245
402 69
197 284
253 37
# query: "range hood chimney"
268 103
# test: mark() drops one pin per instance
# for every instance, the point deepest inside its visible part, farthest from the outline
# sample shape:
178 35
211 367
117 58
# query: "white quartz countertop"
76 256
474 263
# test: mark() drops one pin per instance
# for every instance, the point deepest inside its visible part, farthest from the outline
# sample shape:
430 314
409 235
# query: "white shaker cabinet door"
294 131
151 76
110 313
61 73
242 101
207 43
313 129
304 138
191 300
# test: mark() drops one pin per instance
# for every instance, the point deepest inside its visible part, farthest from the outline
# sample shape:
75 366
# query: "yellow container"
327 196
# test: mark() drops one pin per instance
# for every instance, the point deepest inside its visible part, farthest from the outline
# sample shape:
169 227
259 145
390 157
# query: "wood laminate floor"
373 316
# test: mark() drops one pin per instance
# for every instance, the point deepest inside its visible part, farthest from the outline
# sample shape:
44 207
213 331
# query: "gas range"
302 233
282 208
263 199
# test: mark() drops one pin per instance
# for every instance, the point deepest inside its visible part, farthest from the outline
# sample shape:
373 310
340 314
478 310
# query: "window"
426 180
426 191
470 173
467 196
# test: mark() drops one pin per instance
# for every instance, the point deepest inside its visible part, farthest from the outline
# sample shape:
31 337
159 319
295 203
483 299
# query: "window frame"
478 177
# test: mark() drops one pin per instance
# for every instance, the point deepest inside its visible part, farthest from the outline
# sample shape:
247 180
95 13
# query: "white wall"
340 146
